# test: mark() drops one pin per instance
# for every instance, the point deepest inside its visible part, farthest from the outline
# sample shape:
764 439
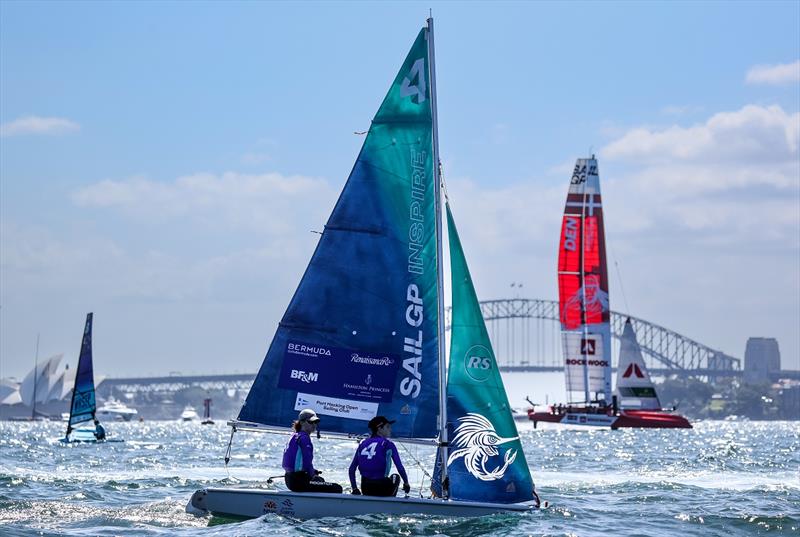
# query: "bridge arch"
517 347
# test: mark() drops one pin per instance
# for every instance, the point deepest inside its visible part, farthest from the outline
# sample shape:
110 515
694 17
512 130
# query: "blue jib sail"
83 399
485 461
359 337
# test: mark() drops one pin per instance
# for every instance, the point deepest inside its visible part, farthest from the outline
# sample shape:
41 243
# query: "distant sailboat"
639 405
364 334
585 317
207 412
83 407
37 385
634 387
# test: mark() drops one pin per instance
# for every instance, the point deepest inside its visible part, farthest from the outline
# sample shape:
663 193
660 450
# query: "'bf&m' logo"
478 363
304 376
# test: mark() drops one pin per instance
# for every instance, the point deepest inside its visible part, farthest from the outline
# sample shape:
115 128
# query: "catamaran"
83 425
586 329
364 334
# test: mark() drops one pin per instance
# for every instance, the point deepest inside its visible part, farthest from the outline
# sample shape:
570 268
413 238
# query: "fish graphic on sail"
486 461
360 335
583 288
634 387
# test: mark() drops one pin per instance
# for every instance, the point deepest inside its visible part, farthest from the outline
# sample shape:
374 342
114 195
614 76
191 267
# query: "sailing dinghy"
586 329
364 334
83 408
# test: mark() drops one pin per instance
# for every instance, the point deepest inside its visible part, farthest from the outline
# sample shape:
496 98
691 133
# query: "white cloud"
753 133
269 203
784 73
737 175
38 125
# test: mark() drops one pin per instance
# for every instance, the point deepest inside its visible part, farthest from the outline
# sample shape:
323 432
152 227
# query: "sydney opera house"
44 392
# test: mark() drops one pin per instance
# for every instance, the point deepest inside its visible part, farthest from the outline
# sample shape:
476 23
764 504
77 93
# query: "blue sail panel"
359 337
84 406
485 460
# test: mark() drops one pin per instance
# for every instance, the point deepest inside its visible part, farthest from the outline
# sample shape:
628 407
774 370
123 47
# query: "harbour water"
720 478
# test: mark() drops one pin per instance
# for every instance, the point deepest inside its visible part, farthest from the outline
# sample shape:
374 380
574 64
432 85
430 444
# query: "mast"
584 318
35 377
437 185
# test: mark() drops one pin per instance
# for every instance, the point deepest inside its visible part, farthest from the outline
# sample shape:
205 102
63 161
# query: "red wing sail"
583 285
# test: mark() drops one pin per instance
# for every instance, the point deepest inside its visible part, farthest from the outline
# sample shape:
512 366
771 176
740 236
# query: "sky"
164 164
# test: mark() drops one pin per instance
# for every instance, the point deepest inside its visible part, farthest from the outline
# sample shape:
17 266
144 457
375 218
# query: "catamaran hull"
651 419
253 503
644 419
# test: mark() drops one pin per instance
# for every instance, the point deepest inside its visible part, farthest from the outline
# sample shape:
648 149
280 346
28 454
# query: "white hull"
591 420
253 503
86 436
189 414
116 415
114 410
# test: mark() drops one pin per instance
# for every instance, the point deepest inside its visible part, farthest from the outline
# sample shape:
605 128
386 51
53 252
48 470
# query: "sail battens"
401 120
308 327
368 231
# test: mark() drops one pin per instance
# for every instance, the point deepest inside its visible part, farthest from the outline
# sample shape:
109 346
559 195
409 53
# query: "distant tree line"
698 399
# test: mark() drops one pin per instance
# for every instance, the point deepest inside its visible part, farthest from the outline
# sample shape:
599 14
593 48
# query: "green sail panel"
359 337
485 460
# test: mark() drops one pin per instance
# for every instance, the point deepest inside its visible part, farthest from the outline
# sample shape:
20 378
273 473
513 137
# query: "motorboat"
189 414
116 410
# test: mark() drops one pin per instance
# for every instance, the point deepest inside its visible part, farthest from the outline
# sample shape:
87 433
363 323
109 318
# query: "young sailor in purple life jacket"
298 458
374 458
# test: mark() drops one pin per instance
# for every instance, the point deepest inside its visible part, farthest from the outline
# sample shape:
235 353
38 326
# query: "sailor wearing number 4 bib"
374 458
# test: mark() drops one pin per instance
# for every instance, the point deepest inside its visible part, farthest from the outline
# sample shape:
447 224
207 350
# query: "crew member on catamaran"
374 458
298 458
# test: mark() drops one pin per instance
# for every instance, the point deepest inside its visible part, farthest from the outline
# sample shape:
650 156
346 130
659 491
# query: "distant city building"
761 358
788 391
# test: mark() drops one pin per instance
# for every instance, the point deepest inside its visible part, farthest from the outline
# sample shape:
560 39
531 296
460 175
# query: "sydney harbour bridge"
526 337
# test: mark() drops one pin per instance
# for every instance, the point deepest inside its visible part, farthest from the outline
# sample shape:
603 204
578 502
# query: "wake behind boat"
364 334
584 313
